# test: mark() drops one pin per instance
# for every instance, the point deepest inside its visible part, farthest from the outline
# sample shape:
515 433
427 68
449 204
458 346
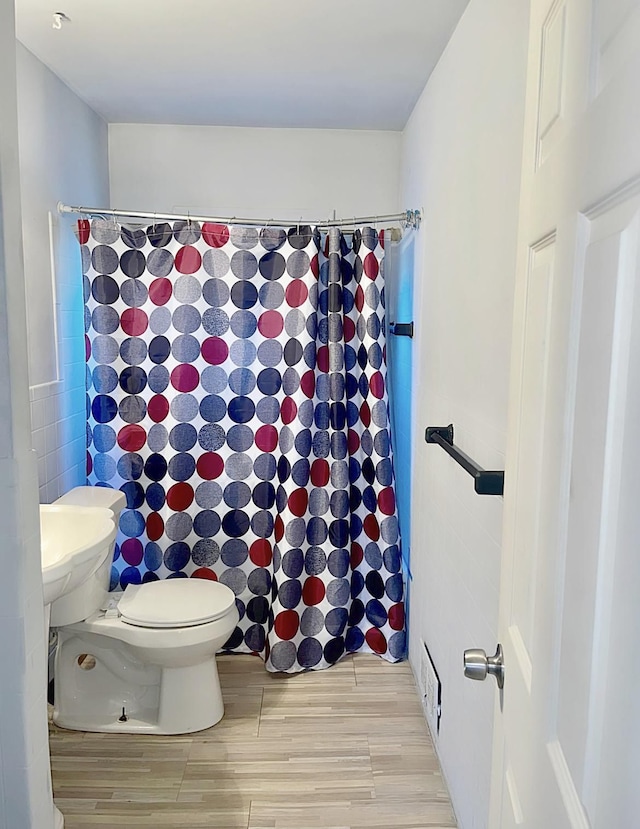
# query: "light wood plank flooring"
345 748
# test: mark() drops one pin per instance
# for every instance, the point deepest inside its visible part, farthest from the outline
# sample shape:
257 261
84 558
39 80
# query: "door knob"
477 665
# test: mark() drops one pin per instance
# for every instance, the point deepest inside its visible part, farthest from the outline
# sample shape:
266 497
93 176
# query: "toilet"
141 661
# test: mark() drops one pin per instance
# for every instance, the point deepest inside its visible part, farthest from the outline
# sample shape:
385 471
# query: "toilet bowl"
142 660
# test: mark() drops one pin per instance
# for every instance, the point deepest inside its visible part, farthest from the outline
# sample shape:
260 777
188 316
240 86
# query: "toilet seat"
175 603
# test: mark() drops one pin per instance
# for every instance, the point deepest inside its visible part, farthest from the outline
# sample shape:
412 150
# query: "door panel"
612 777
587 548
552 77
512 809
534 383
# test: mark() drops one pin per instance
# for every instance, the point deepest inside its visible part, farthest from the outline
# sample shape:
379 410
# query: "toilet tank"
89 597
95 496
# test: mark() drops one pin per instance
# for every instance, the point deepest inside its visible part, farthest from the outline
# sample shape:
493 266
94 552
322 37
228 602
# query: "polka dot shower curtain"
236 395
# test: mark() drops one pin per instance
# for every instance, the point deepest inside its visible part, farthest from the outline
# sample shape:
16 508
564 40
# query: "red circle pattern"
134 322
188 260
185 377
215 351
216 236
160 291
132 438
210 466
158 408
180 497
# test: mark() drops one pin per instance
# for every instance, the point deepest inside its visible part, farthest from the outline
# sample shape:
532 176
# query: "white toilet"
143 660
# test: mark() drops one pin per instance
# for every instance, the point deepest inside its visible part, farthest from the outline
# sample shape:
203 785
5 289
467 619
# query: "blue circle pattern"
298 404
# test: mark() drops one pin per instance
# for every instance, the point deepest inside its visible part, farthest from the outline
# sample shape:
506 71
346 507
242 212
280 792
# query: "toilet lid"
175 603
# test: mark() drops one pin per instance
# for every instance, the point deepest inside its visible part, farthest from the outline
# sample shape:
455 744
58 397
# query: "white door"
567 724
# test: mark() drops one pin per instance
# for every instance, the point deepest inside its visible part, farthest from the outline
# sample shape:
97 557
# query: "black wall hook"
401 329
486 482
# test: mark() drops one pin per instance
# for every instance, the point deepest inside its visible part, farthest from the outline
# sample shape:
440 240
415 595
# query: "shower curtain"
236 394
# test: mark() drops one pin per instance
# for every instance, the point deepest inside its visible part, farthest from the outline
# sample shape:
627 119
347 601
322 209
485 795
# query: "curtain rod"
410 218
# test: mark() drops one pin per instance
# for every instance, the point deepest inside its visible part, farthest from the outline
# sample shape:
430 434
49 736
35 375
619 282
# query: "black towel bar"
486 482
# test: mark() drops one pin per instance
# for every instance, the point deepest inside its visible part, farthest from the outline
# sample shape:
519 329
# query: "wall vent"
431 689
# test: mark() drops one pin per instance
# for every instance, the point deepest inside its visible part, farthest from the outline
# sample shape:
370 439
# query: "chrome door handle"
477 665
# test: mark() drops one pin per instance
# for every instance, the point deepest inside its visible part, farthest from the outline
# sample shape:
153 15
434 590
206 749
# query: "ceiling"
343 64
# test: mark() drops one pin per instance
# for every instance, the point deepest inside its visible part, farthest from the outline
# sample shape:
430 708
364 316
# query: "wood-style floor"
345 748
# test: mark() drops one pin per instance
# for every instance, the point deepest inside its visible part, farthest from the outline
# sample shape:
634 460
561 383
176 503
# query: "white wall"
257 173
25 781
461 161
63 156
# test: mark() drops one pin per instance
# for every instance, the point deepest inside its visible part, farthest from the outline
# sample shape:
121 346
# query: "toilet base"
190 699
165 679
